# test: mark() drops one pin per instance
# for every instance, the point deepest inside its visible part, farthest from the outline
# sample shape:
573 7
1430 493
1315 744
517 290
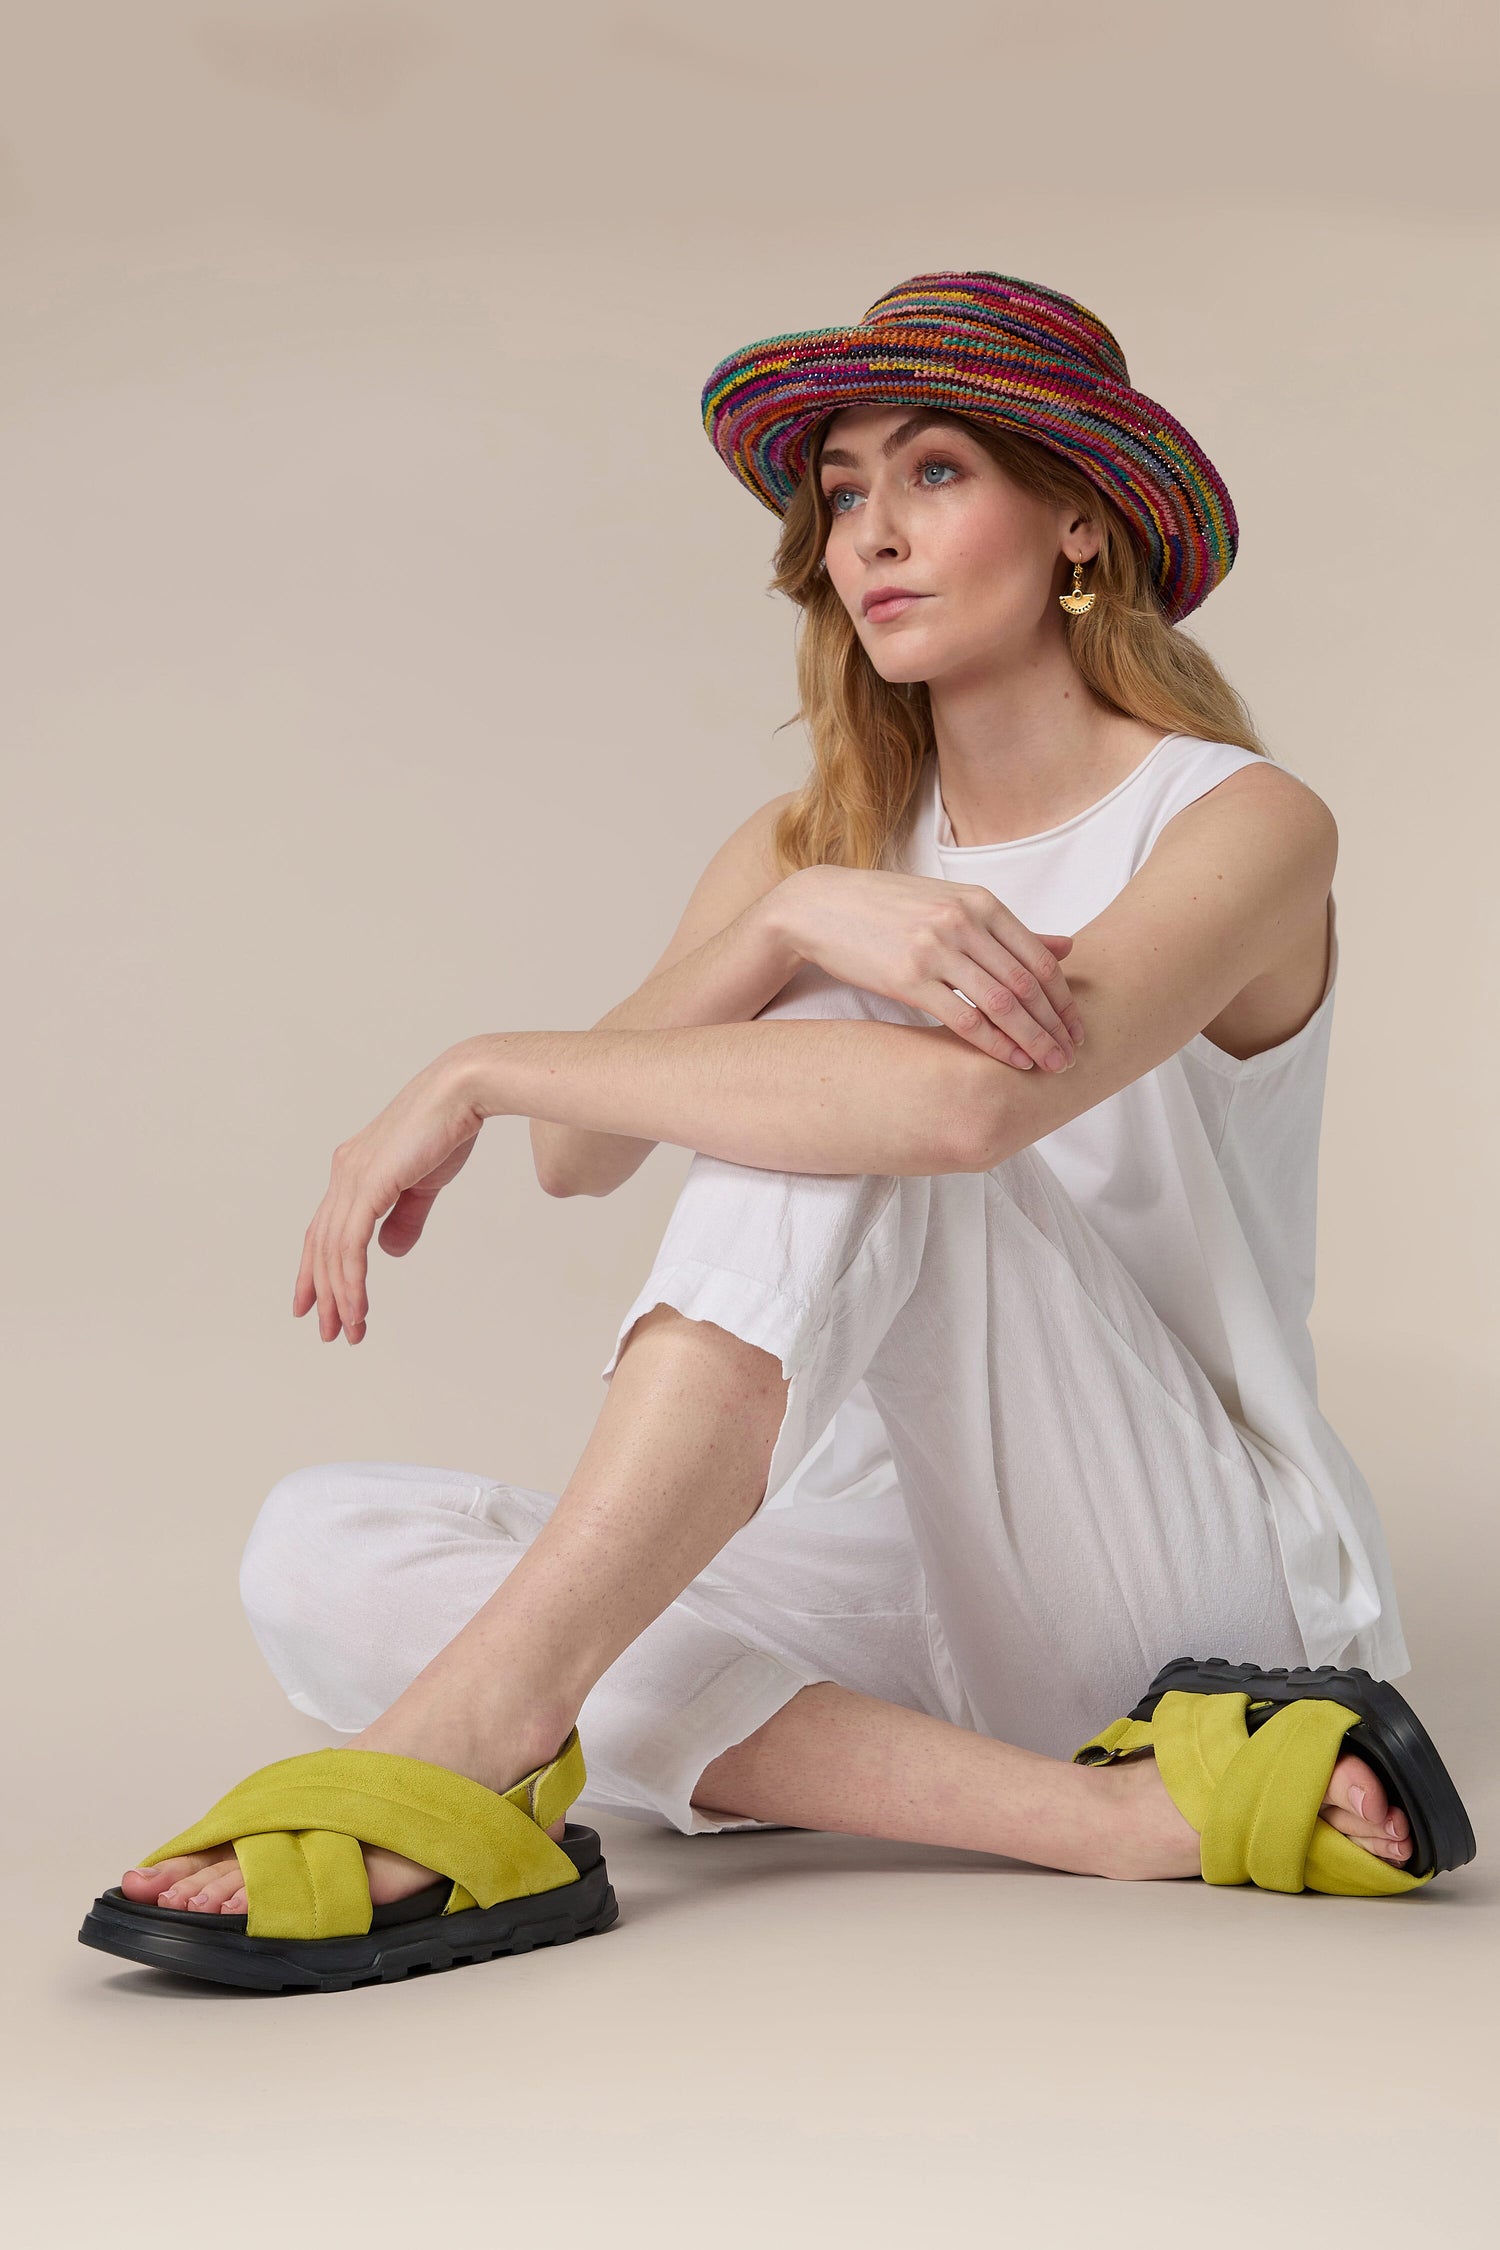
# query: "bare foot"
209 1882
1155 1840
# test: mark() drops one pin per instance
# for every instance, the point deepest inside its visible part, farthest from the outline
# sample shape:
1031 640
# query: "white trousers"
1050 1503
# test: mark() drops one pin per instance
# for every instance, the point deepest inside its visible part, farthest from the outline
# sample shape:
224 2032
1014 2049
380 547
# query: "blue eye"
928 461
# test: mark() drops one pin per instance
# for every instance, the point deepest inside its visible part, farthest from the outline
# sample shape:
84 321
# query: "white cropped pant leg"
1070 1507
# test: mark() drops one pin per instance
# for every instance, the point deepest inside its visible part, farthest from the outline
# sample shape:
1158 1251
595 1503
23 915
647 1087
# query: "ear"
1080 536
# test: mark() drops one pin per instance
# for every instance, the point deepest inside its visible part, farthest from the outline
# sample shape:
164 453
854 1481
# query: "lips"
889 603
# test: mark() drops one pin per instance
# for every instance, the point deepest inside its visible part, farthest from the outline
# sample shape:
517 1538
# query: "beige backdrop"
386 653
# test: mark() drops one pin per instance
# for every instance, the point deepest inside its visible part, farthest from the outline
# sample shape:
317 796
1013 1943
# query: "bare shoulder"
1222 930
1262 798
1276 1002
742 870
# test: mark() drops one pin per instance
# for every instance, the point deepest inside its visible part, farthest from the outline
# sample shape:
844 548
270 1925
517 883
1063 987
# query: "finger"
335 1249
304 1291
1017 964
328 1311
328 1256
1034 954
1005 1007
403 1223
959 1013
359 1224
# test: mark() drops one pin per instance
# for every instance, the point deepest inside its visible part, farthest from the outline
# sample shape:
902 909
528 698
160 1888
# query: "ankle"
1144 1836
494 1736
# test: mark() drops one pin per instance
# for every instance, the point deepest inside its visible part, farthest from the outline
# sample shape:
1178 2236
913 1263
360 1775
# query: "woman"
971 1384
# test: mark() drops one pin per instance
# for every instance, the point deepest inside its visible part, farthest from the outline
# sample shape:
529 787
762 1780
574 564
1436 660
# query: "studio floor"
800 2037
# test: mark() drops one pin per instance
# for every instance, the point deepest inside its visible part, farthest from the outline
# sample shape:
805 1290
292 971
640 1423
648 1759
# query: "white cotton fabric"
1203 1178
1046 1426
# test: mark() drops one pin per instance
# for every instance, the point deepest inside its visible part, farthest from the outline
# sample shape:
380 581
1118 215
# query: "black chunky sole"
411 1938
1389 1736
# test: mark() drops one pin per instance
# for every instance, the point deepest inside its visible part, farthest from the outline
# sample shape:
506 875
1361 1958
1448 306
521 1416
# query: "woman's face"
917 503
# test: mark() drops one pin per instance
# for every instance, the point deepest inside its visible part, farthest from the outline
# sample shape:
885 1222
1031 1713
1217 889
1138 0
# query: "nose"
879 535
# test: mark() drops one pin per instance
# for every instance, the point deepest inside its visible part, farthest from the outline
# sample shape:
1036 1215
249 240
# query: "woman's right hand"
915 938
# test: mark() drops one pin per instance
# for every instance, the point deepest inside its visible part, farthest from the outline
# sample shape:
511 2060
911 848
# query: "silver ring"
953 988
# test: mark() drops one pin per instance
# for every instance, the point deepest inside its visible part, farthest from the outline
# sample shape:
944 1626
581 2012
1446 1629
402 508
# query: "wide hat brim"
999 350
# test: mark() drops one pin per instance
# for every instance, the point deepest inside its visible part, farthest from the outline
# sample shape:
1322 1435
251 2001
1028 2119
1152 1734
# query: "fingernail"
1357 1800
1390 1827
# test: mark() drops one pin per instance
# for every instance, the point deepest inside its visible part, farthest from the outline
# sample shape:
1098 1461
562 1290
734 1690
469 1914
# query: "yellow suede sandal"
1246 1754
504 1884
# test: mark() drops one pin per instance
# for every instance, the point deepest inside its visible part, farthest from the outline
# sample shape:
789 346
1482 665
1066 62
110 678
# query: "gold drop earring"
1077 603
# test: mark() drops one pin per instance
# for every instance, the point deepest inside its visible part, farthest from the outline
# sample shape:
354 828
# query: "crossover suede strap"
1254 1798
296 1828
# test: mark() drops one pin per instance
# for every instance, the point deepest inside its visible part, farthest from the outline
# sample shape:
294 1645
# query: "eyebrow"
835 456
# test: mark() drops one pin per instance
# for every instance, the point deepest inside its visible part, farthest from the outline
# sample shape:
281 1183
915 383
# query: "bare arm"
727 958
793 1095
1231 878
1235 878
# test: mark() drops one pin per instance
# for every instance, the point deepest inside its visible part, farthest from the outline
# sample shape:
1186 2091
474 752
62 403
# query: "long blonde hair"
870 738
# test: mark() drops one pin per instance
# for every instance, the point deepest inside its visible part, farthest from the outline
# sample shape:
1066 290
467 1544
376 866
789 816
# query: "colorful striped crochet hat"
1001 350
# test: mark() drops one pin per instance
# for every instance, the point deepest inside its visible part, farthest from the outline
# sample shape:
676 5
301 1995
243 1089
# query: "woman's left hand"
396 1166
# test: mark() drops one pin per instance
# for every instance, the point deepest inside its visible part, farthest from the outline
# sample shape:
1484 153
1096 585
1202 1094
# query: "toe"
146 1884
181 1894
1358 1807
216 1887
1356 1787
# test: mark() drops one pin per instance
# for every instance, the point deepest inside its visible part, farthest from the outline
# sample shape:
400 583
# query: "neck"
1027 748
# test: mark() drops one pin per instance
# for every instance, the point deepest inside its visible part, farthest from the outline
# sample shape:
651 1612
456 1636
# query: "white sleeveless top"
1202 1178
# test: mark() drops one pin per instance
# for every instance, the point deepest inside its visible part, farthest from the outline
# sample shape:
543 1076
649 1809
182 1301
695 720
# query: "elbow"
560 1184
981 1152
578 1187
977 1128
554 1183
550 1178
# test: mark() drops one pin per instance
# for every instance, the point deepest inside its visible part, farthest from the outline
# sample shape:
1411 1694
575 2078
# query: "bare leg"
832 1759
676 1463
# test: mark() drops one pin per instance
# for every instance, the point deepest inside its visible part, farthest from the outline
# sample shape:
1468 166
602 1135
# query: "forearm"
727 979
792 1095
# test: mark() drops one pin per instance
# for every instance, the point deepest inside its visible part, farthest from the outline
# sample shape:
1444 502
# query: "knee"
296 1561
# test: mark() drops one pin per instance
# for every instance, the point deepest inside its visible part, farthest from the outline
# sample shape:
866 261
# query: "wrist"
476 1071
776 920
